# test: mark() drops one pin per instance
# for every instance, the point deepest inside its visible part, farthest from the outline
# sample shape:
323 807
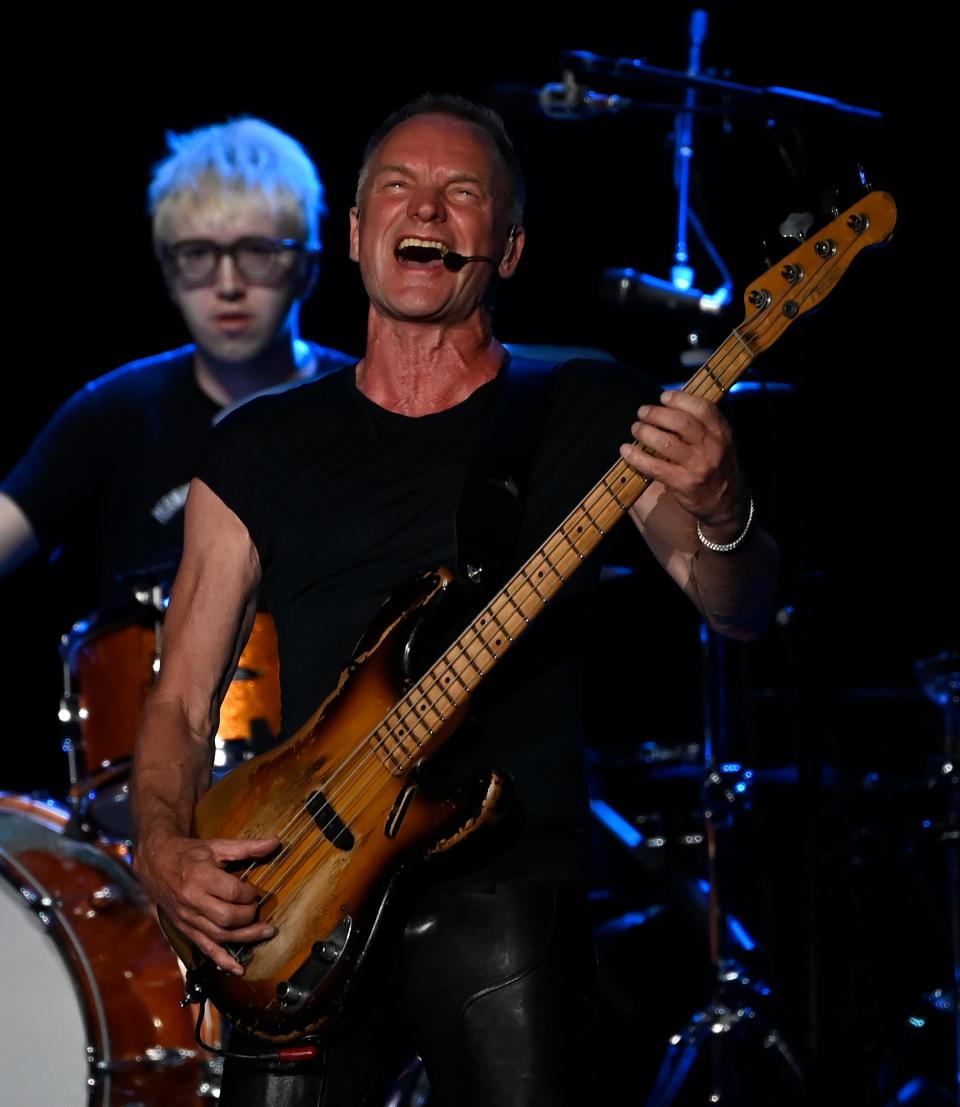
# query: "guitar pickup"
329 823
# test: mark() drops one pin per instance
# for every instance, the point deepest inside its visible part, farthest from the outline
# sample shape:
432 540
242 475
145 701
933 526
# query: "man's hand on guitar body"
211 907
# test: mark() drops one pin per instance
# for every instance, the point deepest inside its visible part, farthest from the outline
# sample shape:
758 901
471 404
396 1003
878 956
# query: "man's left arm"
697 481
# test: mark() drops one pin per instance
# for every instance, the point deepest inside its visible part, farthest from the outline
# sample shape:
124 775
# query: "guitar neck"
409 731
780 296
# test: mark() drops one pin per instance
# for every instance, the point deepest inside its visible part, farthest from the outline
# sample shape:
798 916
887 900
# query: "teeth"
425 244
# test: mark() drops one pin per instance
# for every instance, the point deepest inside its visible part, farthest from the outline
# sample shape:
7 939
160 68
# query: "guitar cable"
286 1055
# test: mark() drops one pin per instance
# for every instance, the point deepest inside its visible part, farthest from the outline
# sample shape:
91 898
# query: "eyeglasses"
257 258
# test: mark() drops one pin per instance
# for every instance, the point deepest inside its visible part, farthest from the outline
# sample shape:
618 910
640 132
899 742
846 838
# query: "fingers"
236 849
693 447
216 911
695 407
690 419
227 900
213 908
216 942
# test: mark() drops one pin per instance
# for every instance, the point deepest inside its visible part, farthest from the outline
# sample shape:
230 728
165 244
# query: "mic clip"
568 100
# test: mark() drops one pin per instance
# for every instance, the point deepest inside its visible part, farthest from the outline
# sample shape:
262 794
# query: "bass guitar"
344 794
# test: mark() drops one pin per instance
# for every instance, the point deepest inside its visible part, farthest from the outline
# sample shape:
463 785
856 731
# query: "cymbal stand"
732 1013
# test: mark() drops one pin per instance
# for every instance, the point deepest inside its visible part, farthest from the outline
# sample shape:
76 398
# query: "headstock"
806 276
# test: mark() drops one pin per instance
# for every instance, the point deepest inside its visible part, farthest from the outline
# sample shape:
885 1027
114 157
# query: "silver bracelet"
726 547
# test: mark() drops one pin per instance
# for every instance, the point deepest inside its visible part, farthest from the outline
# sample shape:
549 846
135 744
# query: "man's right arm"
17 538
55 487
211 609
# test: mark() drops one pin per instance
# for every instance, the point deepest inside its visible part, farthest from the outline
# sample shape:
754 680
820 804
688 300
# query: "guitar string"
724 361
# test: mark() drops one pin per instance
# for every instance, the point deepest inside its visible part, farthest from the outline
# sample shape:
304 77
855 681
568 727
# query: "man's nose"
426 204
227 278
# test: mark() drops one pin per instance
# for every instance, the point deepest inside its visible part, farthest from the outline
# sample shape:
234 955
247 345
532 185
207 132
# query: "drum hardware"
71 714
939 677
645 832
212 1075
734 1012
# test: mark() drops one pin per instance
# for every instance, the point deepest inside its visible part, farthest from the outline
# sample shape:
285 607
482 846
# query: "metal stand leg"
731 1019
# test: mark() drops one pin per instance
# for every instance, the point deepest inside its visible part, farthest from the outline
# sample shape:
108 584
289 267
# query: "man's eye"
195 253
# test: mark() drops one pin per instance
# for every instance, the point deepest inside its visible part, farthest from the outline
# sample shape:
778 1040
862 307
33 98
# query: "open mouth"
421 251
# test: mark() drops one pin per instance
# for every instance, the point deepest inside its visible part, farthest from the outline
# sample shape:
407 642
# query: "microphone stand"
627 73
627 283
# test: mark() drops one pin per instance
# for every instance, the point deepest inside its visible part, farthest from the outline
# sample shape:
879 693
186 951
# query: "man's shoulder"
293 401
586 377
142 376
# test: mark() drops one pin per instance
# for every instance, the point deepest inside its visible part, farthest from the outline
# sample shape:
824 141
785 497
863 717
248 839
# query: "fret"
586 512
536 590
573 545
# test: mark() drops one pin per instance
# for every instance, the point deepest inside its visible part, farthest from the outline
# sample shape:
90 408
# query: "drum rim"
103 620
38 806
55 925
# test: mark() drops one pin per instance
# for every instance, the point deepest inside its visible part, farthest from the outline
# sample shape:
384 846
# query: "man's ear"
512 250
355 234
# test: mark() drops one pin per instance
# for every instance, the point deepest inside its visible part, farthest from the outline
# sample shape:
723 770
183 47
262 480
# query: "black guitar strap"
491 505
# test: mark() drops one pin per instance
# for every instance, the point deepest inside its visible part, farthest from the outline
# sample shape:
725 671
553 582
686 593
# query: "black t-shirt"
109 472
346 501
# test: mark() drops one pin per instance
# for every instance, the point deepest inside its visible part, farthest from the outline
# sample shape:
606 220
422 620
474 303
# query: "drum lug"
41 906
106 897
209 1086
157 1057
70 709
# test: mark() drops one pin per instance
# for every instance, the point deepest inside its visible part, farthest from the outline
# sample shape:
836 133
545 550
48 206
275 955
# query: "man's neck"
420 368
227 382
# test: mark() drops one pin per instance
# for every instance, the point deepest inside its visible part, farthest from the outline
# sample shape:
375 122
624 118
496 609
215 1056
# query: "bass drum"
92 990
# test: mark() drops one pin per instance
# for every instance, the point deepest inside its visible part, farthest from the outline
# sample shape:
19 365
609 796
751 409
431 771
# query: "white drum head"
43 1039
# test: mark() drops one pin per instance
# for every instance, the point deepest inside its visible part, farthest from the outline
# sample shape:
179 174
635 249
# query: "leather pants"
491 985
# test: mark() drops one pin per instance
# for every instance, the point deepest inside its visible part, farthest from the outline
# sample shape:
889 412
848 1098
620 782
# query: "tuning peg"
767 259
796 225
830 201
864 181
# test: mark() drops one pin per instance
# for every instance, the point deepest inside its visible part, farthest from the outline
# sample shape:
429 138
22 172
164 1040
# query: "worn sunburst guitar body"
344 794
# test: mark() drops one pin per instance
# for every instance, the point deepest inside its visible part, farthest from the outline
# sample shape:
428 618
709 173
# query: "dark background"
852 468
